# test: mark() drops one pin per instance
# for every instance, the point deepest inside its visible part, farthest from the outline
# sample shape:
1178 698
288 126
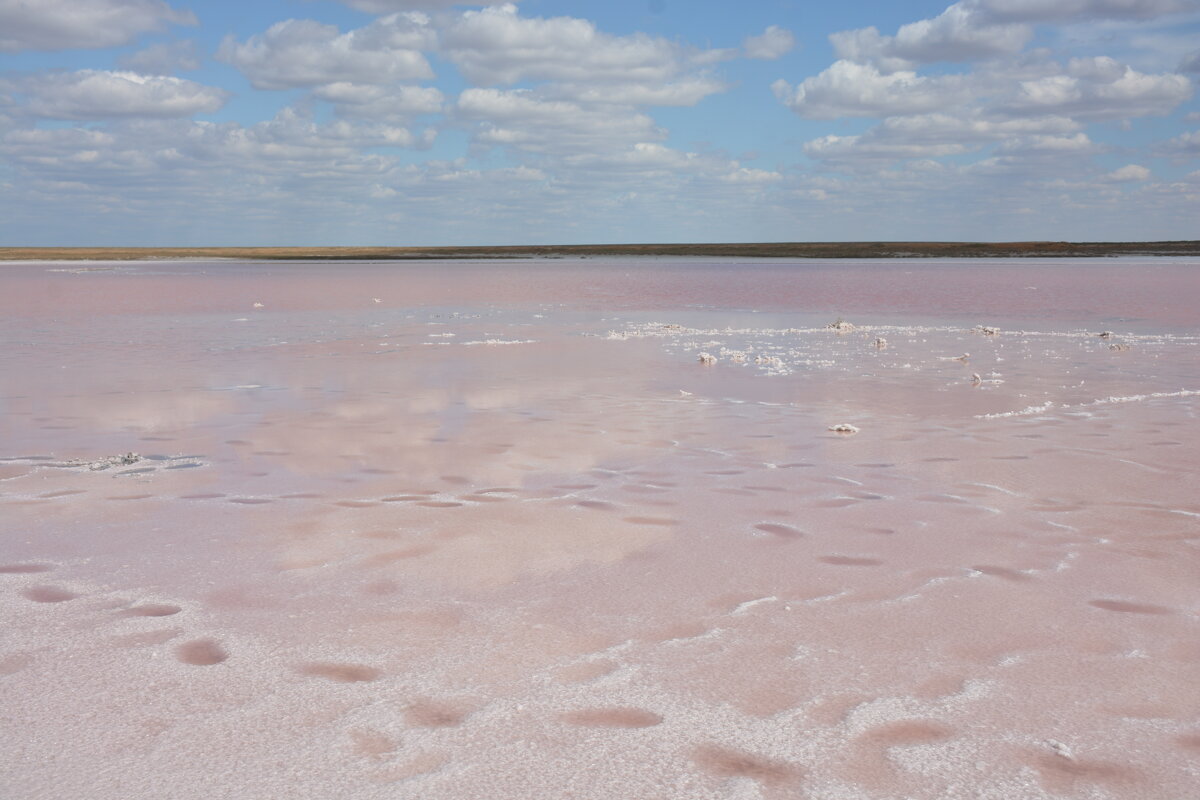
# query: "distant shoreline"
737 250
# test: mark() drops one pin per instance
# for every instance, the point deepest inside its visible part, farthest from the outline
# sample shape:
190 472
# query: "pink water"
465 529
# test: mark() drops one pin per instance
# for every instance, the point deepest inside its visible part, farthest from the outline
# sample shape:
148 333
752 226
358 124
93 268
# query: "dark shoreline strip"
735 250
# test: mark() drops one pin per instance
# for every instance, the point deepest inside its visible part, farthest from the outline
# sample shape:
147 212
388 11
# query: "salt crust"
492 342
779 352
1135 398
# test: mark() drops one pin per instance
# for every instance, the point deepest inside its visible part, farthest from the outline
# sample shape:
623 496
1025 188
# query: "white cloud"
1129 173
163 58
380 102
654 168
303 53
1049 145
99 94
933 136
980 29
849 89
1186 145
1078 10
497 46
643 160
939 135
956 34
938 128
749 175
772 43
504 174
82 24
291 146
589 87
390 6
293 137
1100 88
687 91
520 119
860 148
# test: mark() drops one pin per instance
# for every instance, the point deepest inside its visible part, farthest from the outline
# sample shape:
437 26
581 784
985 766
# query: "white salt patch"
749 604
1027 411
850 481
499 341
1135 398
994 486
714 633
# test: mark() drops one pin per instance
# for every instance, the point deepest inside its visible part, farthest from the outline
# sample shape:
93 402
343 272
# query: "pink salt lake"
491 530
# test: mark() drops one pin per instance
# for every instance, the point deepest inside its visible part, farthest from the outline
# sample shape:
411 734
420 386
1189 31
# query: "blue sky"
425 122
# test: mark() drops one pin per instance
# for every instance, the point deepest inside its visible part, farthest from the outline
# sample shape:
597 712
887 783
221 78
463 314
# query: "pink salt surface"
365 558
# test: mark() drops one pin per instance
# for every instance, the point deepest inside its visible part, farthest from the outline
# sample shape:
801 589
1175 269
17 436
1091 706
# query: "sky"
430 122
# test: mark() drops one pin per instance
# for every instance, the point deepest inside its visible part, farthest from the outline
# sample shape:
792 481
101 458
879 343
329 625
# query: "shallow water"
471 529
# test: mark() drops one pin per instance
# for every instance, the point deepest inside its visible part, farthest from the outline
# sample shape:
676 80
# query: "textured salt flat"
492 530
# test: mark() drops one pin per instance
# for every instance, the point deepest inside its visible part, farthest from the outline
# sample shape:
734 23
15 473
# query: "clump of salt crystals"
122 460
843 428
707 358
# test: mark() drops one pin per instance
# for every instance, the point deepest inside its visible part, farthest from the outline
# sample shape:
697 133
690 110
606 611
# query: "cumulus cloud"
1186 145
957 34
772 43
293 136
933 136
937 128
1078 10
643 159
655 167
1017 100
750 175
163 58
858 148
302 53
82 24
972 30
390 6
380 102
290 145
686 91
522 120
497 46
849 89
1129 173
1100 88
589 87
102 94
1050 145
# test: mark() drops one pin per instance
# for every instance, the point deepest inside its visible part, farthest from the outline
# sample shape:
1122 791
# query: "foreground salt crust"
355 566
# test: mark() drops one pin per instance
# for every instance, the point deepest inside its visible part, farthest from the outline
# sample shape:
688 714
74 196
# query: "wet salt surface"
360 558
